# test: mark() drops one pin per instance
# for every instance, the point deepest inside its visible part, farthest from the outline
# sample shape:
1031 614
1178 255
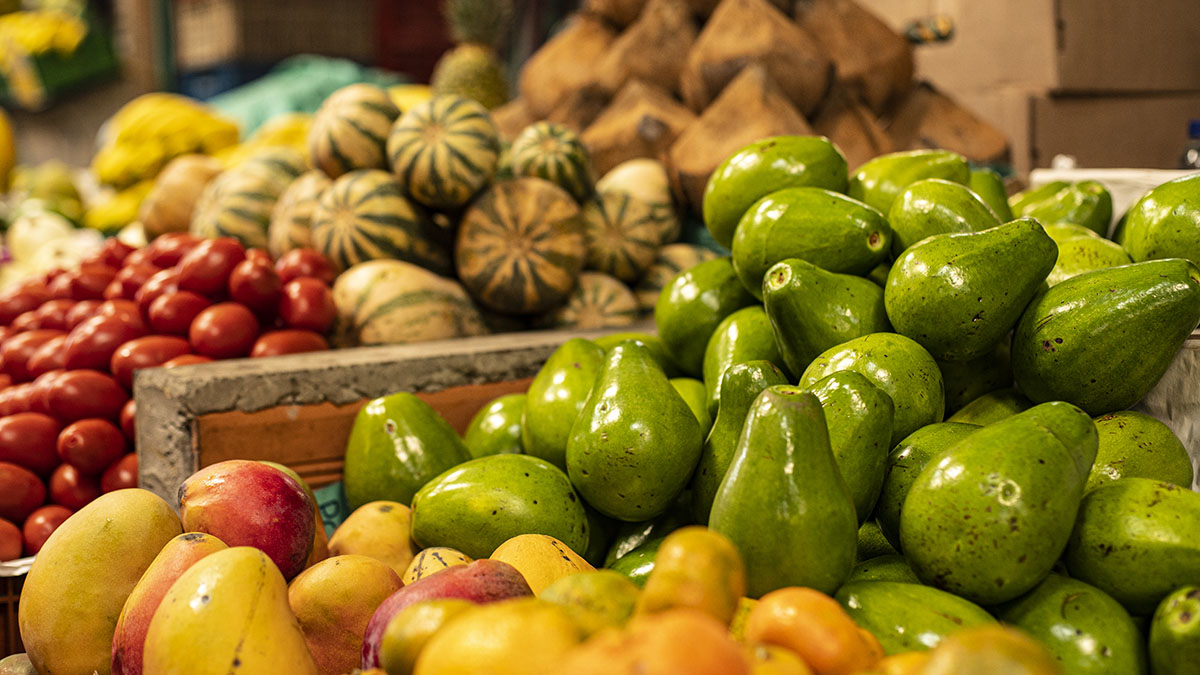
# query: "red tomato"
82 311
172 313
15 352
5 333
79 394
21 398
259 255
21 491
224 331
30 440
121 474
53 313
114 251
41 524
17 301
125 310
30 320
166 250
145 352
206 268
51 355
41 389
304 262
129 279
6 402
91 344
84 284
255 285
308 303
163 281
5 381
72 488
91 445
10 541
139 257
185 360
289 341
128 415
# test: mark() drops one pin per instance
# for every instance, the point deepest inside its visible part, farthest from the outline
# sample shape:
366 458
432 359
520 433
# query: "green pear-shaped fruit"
897 365
828 229
859 417
635 443
496 428
959 295
989 516
694 395
745 335
936 206
629 537
1085 203
908 617
812 310
763 167
968 380
990 187
783 502
658 348
692 305
880 181
904 463
1134 444
1165 223
992 407
1061 232
1077 255
891 567
556 396
872 543
1103 339
1175 632
740 385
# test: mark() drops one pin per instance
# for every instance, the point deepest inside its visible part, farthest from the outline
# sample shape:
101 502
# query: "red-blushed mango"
667 643
409 631
381 530
173 560
320 547
522 636
814 626
696 568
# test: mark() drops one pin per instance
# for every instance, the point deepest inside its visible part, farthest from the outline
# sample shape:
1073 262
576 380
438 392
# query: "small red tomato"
72 488
41 391
163 281
305 262
80 394
5 333
128 416
125 310
139 257
10 541
41 524
255 285
307 303
16 351
224 331
53 313
50 356
129 279
91 344
172 313
60 286
259 255
114 252
21 398
167 250
5 381
88 283
90 445
80 312
185 360
206 268
30 440
145 352
21 491
121 474
30 320
288 341
17 301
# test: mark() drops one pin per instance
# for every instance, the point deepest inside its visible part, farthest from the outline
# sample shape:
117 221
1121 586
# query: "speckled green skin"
890 567
658 349
859 417
740 385
959 295
990 187
602 530
483 503
745 335
897 365
904 464
496 428
1135 444
1165 223
812 310
397 444
692 305
556 396
783 502
1175 632
762 168
1137 540
1085 203
634 445
638 563
936 206
1102 340
989 516
872 543
1077 255
1061 232
693 394
992 407
881 180
825 228
908 617
966 381
629 537
1083 627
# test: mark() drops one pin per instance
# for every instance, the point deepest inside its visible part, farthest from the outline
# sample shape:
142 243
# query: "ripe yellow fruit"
541 559
8 153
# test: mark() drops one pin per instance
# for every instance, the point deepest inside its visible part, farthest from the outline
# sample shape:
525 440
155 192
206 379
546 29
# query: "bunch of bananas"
113 212
41 31
289 129
152 129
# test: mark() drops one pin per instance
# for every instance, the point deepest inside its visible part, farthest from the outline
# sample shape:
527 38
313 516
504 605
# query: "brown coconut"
566 63
511 118
654 48
852 127
577 109
620 13
927 118
169 204
642 121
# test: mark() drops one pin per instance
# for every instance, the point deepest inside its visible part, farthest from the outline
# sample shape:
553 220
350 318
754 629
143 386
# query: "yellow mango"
525 636
431 561
228 613
82 576
595 600
698 568
409 631
737 627
381 530
541 559
773 660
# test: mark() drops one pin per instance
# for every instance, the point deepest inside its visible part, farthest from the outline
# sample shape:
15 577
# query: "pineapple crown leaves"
483 22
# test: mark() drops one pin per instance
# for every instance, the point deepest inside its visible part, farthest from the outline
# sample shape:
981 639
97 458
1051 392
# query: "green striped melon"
672 259
350 130
364 216
598 301
395 302
520 247
646 179
444 150
238 202
555 153
622 235
291 219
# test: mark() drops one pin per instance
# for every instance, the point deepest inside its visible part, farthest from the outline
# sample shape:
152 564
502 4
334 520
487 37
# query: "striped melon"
364 216
350 130
520 247
646 179
394 302
238 202
443 151
623 237
291 219
554 152
598 301
672 259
